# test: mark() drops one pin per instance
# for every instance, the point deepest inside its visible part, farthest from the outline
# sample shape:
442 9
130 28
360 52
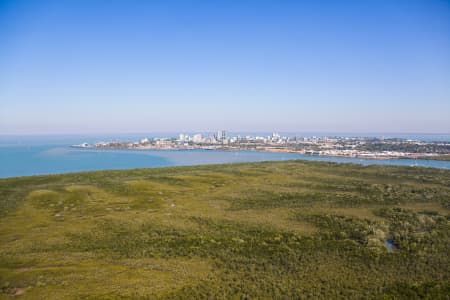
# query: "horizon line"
229 131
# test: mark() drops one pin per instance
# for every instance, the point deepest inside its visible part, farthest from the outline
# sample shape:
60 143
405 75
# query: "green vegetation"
405 146
283 230
437 157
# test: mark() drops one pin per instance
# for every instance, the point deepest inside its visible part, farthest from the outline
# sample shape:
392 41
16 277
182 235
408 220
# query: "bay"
34 159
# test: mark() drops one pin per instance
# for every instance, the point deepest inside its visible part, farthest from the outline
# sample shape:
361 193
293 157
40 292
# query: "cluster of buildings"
328 146
218 138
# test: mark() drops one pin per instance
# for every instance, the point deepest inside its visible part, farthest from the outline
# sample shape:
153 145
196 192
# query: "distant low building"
164 143
145 141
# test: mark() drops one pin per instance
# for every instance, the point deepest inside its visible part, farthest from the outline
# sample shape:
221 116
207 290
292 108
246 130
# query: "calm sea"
20 156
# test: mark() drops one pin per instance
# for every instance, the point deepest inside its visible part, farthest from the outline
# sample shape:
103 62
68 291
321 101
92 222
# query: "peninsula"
362 147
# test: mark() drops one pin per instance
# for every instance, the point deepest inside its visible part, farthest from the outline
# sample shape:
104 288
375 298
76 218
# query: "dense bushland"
278 230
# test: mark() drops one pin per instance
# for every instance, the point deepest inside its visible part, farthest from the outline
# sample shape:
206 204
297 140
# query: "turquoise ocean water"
50 155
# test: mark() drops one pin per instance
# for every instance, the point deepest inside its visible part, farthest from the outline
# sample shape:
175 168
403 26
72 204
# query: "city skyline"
95 67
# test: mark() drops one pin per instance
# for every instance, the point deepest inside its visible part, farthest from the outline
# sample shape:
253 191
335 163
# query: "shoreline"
418 156
68 173
39 162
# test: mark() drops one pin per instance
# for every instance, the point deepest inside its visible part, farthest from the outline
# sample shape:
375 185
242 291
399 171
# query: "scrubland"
283 230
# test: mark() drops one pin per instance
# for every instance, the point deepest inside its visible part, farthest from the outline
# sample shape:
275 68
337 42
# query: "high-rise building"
220 136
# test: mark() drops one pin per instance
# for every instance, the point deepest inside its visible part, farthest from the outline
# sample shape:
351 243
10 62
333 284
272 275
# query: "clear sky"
87 66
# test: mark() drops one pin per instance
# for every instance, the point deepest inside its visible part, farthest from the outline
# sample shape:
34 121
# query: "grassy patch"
291 229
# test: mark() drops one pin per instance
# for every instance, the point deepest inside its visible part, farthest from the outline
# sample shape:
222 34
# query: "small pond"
390 246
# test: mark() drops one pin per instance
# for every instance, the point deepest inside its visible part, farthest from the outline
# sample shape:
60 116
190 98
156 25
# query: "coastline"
201 165
98 160
411 156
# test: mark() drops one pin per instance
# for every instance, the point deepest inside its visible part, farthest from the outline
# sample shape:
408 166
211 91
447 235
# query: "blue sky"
87 66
